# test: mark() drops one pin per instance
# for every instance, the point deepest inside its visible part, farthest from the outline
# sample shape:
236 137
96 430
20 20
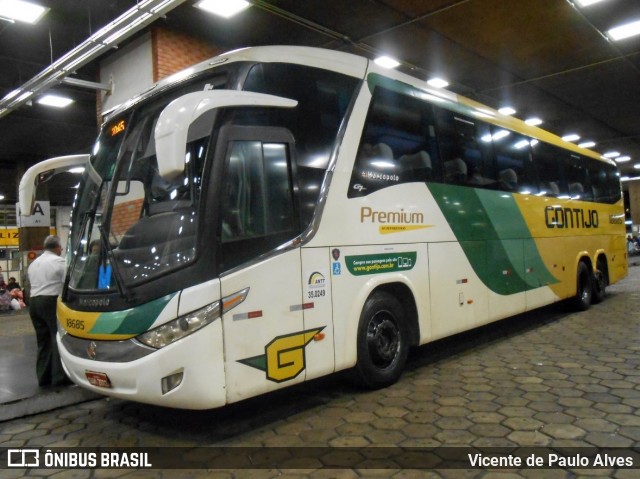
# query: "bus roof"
340 62
359 67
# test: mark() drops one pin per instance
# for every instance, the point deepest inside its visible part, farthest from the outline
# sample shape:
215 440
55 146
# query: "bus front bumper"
187 374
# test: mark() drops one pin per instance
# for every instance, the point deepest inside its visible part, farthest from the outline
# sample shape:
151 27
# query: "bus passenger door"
264 334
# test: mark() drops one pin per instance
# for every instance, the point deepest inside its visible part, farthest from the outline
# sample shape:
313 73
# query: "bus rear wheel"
584 291
599 282
383 343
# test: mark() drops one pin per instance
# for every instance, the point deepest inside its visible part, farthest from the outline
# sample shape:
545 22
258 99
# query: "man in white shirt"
46 275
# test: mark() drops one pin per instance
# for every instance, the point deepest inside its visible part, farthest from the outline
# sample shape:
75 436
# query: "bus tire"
584 290
599 282
382 343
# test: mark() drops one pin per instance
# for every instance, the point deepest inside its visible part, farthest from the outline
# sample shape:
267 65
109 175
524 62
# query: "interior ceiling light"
586 3
387 62
571 137
625 31
223 8
1 197
507 110
22 11
587 144
637 166
438 83
623 159
118 30
611 154
533 121
55 101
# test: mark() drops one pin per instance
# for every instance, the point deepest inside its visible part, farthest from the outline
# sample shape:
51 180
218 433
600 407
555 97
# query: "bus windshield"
133 224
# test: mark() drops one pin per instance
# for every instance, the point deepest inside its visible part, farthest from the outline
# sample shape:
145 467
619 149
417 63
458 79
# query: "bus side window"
578 179
323 98
614 192
258 208
514 163
466 149
605 182
549 166
398 144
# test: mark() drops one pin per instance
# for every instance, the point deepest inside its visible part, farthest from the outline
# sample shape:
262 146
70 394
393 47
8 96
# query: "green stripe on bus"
494 237
131 321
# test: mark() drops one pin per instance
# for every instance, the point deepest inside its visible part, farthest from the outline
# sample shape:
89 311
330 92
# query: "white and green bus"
281 213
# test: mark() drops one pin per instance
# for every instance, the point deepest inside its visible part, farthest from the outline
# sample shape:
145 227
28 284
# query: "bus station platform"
549 378
20 394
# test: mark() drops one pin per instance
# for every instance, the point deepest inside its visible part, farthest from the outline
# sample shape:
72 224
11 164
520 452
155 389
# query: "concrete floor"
17 357
551 378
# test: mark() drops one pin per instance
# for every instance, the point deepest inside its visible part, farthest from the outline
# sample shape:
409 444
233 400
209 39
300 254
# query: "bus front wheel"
383 343
584 289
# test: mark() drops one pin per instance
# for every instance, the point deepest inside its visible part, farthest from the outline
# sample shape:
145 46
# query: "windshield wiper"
104 238
74 257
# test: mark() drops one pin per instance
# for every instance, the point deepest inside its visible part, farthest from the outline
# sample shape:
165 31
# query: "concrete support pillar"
634 201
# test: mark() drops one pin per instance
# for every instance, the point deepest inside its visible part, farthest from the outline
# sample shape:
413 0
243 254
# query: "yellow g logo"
284 356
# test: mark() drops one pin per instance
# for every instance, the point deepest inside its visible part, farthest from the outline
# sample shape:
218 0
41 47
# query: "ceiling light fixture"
535 121
387 62
25 96
507 110
611 154
637 166
223 8
130 22
623 159
496 136
625 31
77 170
586 3
55 101
571 137
22 11
438 83
587 144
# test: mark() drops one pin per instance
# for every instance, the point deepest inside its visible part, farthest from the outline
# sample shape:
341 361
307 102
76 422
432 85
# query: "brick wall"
174 51
125 215
171 52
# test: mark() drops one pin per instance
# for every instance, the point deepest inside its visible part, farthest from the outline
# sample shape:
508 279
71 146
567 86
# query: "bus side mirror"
174 121
41 172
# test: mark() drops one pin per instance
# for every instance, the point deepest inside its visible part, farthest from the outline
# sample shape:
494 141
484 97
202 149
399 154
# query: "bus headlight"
179 328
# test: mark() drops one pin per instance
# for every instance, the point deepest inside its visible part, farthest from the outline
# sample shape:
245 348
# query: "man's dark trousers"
42 310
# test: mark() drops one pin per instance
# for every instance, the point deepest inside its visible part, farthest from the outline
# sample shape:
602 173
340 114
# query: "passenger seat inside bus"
378 157
576 190
551 188
416 166
381 151
455 171
508 179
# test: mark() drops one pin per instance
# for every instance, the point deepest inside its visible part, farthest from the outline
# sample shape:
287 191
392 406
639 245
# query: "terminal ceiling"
546 58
